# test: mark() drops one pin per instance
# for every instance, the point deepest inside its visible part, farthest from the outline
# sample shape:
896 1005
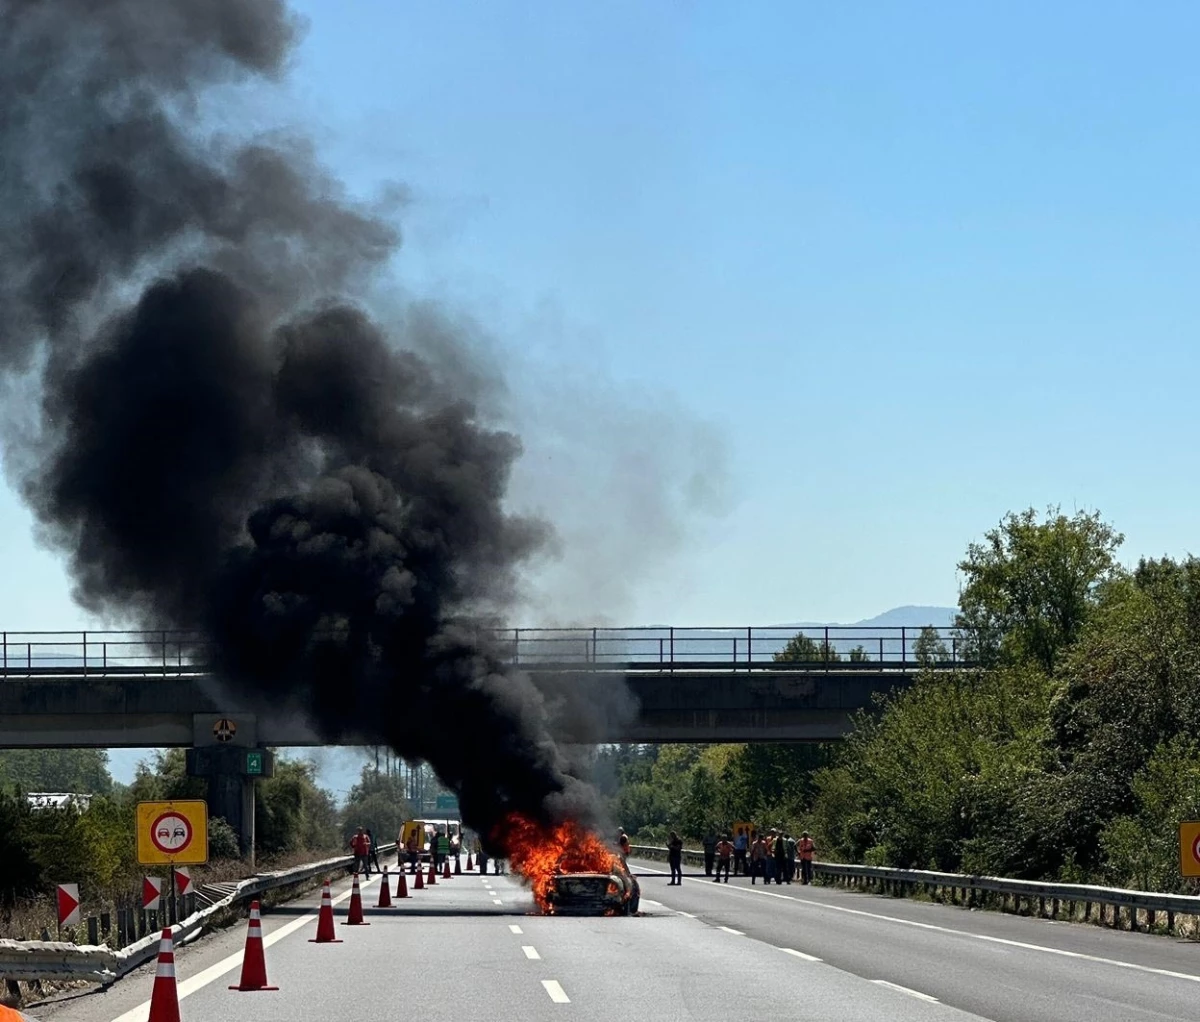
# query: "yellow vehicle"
427 831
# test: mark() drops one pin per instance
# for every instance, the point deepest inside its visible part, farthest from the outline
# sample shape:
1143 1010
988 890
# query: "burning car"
569 869
615 893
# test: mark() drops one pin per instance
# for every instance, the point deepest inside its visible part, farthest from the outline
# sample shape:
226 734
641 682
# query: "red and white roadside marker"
183 880
68 905
151 892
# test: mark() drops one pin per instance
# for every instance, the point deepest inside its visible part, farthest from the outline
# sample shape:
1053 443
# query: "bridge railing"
829 649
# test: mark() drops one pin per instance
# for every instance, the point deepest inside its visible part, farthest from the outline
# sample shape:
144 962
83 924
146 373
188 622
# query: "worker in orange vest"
806 848
12 1015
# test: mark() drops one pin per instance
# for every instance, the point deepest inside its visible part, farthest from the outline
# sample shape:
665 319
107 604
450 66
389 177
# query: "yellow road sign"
1189 848
172 833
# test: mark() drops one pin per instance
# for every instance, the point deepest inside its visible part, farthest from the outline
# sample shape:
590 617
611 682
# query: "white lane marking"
496 901
531 952
214 972
557 994
906 990
687 915
656 904
514 928
1062 952
730 929
799 954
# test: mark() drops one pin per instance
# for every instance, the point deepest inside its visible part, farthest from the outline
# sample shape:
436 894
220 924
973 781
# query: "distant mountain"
912 617
897 617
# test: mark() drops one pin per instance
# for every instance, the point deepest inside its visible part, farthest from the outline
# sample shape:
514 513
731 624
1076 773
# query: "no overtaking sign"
172 833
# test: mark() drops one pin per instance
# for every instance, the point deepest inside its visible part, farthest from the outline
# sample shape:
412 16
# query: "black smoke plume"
225 440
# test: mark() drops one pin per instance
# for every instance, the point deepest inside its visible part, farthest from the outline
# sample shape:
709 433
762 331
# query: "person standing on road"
769 859
710 851
443 848
374 851
791 857
806 848
360 846
724 854
481 857
780 850
623 844
675 859
758 860
413 847
741 846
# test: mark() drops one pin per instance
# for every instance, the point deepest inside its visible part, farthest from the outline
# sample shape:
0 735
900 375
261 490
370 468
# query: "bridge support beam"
231 772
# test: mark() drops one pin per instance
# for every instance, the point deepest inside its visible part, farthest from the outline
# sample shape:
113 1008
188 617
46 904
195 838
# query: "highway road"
470 949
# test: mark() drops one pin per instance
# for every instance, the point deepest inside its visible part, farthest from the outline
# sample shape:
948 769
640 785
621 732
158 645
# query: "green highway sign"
447 803
254 764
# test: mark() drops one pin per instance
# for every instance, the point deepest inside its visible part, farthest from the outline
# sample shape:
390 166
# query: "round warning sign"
224 730
171 833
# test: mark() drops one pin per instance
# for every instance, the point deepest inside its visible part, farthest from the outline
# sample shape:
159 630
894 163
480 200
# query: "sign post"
1189 848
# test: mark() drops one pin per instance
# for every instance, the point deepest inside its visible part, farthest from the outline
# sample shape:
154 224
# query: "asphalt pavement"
1002 967
474 949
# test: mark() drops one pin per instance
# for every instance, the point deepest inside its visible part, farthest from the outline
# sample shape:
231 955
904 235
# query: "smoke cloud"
226 440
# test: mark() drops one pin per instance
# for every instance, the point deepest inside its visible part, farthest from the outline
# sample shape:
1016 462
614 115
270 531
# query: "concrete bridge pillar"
225 754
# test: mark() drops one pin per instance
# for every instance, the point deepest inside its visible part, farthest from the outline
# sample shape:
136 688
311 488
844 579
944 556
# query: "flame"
539 852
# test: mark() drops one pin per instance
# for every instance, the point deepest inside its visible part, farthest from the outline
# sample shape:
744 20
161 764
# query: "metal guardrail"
1048 897
828 649
60 960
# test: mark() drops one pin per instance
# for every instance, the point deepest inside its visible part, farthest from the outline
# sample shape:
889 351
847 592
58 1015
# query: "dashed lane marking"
557 994
906 990
497 901
531 952
730 929
514 928
799 954
687 915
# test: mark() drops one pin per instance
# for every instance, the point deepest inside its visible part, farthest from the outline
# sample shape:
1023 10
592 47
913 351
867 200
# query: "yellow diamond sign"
172 833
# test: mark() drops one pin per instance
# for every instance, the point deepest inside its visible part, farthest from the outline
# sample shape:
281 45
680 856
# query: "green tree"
929 648
802 649
859 655
292 814
1030 586
377 802
83 771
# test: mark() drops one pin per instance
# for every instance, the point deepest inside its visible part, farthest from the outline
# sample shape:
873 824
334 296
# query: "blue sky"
907 266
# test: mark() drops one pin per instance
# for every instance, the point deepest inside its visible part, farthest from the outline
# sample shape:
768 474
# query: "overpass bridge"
155 689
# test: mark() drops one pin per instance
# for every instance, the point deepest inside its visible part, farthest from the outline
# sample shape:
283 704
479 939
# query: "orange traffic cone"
458 867
446 870
432 874
385 891
254 963
355 916
164 1001
419 883
402 886
325 931
470 863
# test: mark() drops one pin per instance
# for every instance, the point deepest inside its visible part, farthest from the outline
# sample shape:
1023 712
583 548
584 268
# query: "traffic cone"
385 891
355 916
254 963
446 870
325 931
470 863
164 1001
419 883
432 881
458 867
402 886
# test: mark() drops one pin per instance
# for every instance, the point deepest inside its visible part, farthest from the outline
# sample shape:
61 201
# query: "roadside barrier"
60 960
1115 907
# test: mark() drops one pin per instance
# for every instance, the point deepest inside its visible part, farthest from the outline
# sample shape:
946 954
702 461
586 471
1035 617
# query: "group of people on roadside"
773 855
